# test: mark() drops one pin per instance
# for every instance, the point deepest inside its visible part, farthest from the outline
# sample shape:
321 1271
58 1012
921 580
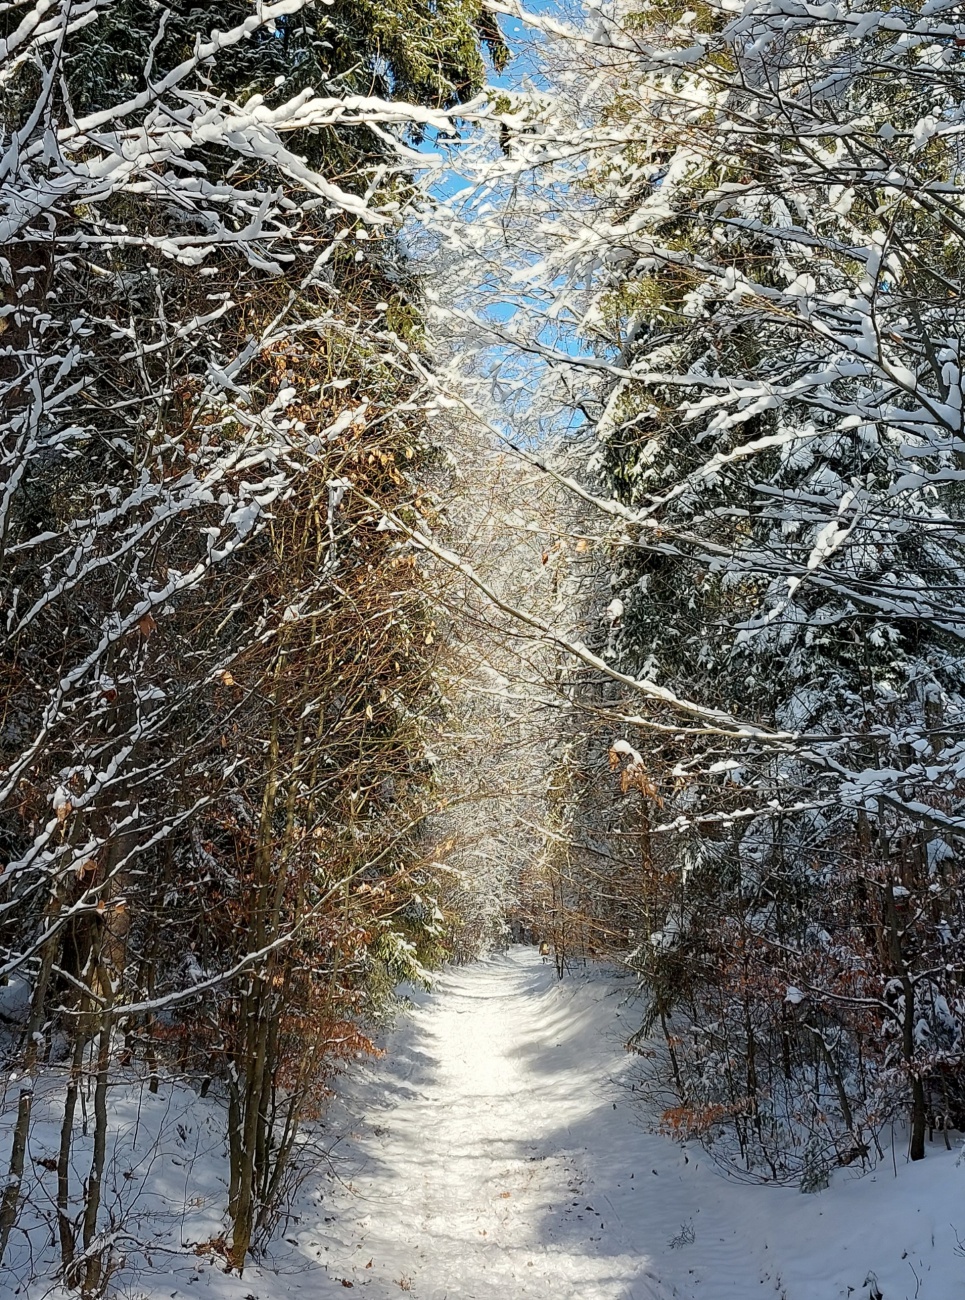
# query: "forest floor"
498 1151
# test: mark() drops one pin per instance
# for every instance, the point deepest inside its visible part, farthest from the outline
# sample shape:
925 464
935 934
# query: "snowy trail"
473 1178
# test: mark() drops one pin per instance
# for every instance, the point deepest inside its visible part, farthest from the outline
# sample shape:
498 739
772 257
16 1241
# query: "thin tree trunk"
65 1227
93 1275
10 1202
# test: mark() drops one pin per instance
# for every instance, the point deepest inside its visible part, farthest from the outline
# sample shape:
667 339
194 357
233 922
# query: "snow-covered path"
476 1177
482 1172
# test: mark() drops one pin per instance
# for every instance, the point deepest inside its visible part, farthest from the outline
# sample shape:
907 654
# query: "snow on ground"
495 1153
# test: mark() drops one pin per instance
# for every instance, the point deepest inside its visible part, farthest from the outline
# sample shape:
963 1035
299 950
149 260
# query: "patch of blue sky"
523 70
529 352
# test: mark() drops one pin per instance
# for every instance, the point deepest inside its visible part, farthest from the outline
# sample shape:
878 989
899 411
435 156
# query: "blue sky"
514 365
